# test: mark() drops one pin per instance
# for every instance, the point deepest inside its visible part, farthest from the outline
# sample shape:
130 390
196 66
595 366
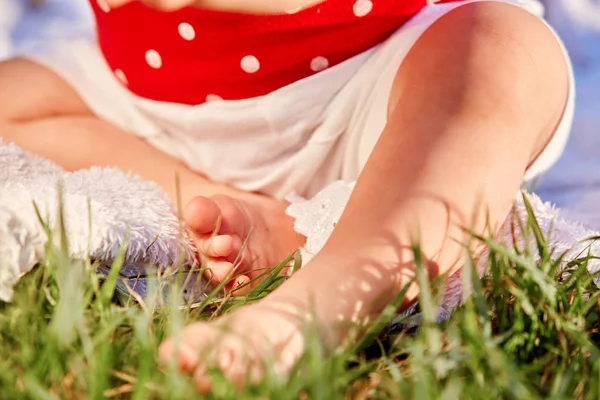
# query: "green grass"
527 332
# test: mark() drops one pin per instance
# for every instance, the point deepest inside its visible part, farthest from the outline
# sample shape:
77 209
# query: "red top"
195 55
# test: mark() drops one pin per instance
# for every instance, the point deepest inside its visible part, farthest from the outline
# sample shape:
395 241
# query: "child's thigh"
30 91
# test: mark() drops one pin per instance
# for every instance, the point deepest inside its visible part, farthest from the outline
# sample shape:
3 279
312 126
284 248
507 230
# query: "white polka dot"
250 64
186 31
213 97
319 64
362 7
121 76
103 5
153 59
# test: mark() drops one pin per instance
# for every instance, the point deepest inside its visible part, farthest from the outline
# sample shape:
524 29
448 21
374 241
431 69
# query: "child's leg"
473 104
41 113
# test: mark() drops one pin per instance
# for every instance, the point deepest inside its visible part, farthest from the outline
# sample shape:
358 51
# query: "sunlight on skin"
347 284
374 271
365 286
358 306
436 172
343 302
276 333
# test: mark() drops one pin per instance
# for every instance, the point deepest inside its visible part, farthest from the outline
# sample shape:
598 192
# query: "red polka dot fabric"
193 55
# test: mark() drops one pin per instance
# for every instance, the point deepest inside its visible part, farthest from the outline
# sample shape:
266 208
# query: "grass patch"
528 331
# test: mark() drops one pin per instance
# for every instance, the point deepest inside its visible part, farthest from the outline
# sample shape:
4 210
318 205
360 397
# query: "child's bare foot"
335 293
241 345
269 335
240 238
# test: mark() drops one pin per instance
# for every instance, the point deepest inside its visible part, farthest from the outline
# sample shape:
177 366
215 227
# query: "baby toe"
241 286
202 380
202 215
185 357
216 246
219 271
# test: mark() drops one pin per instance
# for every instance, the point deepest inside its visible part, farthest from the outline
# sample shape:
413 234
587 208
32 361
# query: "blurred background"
573 184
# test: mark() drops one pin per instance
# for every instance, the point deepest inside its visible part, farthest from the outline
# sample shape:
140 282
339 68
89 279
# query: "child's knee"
494 56
508 48
519 57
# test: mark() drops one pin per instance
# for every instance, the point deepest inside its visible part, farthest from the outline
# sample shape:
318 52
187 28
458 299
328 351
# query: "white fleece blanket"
104 205
101 207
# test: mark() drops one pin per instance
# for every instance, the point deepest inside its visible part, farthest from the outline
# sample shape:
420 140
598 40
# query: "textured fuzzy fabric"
112 203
